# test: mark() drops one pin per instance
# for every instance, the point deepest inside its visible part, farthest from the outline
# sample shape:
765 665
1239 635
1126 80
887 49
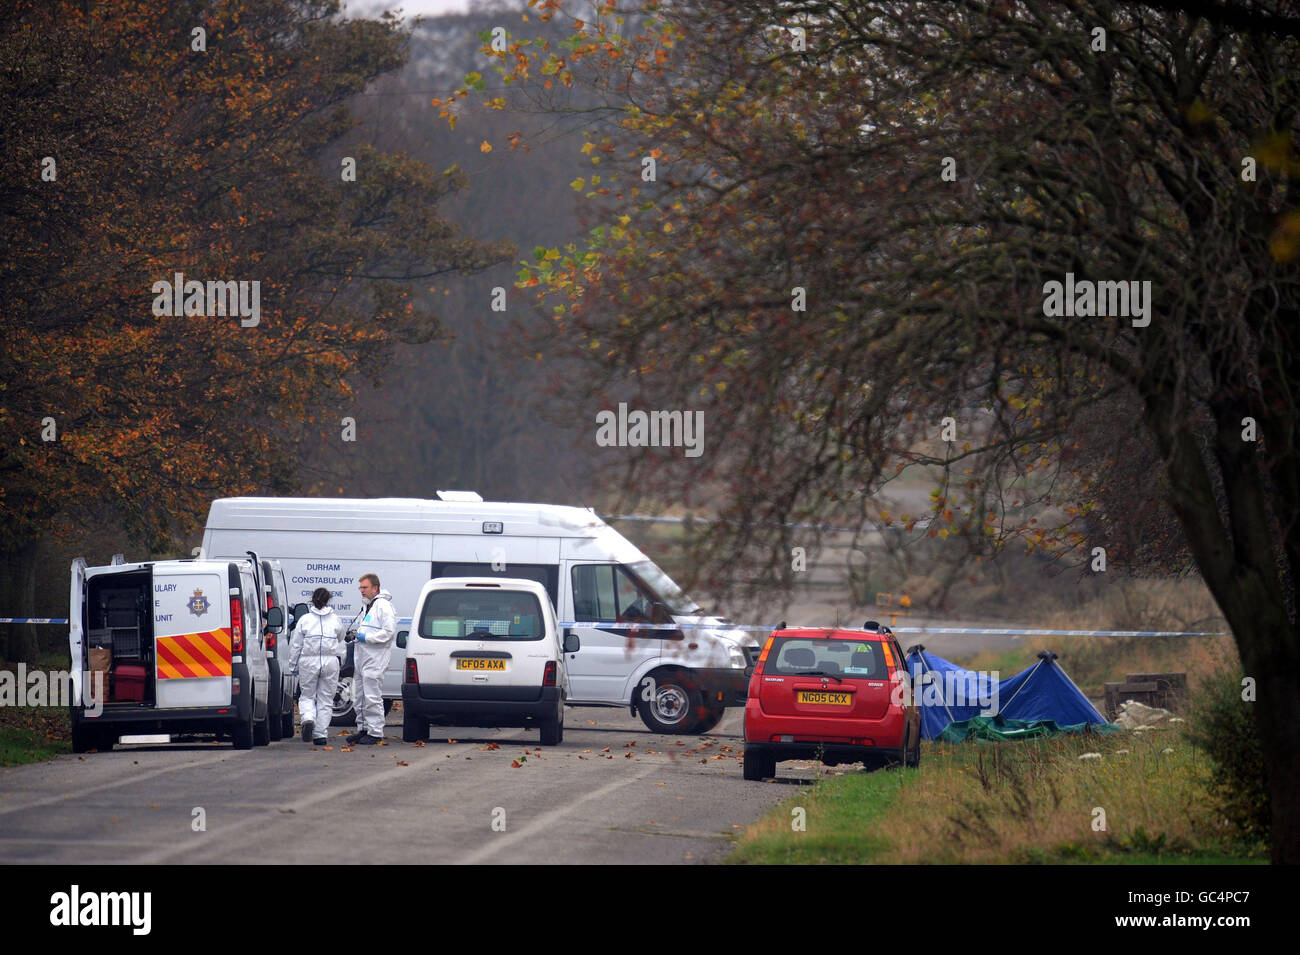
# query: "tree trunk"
17 592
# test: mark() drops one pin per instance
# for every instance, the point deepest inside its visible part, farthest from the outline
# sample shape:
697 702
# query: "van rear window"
853 659
484 614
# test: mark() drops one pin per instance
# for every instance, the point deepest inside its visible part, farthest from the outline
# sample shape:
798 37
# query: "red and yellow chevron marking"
191 655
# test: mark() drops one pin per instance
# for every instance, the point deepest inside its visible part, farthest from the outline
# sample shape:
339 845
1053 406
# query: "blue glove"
361 637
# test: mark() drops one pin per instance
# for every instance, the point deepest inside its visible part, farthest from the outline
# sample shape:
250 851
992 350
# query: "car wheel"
553 730
262 730
758 766
913 757
345 713
242 733
414 728
672 705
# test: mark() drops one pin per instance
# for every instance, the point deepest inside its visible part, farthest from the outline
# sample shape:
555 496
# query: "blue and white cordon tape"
615 625
768 628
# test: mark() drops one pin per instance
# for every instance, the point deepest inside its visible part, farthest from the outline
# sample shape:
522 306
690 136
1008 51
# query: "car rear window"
852 659
485 613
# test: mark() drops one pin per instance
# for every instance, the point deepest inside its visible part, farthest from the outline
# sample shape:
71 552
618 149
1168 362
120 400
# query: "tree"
187 138
924 173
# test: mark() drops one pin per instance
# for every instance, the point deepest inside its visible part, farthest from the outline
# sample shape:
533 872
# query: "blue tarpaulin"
948 694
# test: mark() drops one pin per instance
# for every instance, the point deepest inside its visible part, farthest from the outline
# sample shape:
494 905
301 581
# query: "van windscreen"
486 614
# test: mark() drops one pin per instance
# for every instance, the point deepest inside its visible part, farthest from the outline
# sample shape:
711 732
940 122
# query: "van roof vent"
464 497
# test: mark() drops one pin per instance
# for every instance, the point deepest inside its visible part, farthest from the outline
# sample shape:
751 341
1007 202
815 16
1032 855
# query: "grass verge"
1144 800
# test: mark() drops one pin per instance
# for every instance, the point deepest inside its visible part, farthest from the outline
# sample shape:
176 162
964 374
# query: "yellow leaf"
485 147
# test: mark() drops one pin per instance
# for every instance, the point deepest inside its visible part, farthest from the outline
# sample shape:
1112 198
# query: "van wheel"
672 705
274 726
242 733
286 724
345 714
758 766
262 730
553 730
414 729
388 705
86 738
712 717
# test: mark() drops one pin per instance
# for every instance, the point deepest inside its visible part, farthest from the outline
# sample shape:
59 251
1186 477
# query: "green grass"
1020 803
843 822
21 745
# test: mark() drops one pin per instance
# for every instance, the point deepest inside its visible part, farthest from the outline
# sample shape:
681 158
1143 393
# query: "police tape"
768 628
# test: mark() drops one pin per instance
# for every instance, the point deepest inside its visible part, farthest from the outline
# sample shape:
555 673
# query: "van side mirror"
299 611
274 620
571 642
401 638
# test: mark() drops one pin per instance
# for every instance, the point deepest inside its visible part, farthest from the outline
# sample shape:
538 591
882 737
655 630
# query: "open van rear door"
76 634
192 653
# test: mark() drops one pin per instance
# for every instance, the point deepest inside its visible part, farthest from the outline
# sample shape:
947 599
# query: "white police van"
679 680
169 646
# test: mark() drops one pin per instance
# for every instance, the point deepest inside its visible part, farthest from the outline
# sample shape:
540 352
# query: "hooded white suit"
314 652
370 657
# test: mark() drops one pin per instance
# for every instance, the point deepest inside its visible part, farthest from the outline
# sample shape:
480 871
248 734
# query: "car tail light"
758 667
548 678
236 625
889 658
412 671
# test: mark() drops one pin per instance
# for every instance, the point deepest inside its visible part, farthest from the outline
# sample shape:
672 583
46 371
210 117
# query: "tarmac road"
649 799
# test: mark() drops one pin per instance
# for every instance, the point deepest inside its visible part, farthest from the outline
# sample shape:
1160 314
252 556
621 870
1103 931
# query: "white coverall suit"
315 654
370 656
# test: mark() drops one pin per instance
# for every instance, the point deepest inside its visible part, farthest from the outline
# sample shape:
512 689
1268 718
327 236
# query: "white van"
680 681
484 651
169 646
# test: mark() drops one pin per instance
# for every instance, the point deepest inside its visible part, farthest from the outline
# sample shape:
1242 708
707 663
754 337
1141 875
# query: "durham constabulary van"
679 680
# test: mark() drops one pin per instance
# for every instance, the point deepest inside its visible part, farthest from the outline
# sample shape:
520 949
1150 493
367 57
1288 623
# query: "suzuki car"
837 696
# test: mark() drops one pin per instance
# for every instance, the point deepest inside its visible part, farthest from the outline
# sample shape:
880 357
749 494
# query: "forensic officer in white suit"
374 645
315 658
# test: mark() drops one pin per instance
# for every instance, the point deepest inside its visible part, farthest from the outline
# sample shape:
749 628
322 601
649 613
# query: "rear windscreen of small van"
486 614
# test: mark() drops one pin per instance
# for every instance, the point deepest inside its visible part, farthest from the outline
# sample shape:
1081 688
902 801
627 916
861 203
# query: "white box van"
174 646
679 680
485 652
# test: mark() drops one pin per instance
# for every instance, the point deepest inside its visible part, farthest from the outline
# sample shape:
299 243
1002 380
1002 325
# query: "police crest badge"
199 604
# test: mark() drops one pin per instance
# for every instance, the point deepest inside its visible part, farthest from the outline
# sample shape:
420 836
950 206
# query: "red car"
838 696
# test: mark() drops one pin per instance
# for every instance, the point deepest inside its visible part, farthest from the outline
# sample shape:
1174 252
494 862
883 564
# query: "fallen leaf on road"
491 746
288 810
345 749
515 764
605 750
419 742
627 755
626 745
402 762
327 747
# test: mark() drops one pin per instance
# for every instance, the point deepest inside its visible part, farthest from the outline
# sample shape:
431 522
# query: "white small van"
169 646
485 652
678 680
